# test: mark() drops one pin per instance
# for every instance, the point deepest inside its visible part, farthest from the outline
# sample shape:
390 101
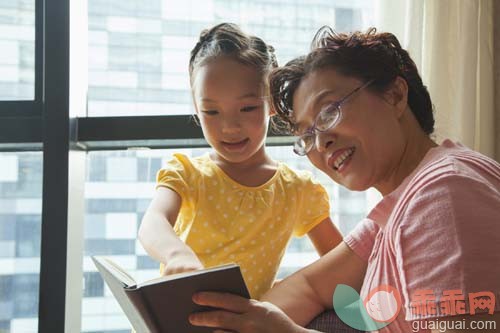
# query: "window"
137 66
138 60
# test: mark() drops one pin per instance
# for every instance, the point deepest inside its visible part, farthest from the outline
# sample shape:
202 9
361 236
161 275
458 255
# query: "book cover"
164 304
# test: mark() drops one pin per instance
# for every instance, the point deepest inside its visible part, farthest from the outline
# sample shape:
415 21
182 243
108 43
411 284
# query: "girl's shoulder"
184 164
292 175
186 161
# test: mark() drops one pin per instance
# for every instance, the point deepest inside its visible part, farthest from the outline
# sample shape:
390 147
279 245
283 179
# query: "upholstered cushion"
328 321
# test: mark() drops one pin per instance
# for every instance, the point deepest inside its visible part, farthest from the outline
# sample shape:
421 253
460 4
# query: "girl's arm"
308 292
325 236
158 237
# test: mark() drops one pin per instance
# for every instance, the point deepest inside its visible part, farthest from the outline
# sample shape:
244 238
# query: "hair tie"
204 36
274 60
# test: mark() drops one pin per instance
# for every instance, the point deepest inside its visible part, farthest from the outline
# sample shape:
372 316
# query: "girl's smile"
235 146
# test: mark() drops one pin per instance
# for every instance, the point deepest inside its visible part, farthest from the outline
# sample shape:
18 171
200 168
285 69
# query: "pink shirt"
439 231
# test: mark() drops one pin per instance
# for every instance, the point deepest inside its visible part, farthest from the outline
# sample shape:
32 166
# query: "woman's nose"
324 140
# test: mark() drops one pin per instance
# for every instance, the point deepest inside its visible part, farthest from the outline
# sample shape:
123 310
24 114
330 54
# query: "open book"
164 304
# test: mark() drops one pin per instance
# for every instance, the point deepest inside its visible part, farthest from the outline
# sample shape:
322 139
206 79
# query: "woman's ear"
397 95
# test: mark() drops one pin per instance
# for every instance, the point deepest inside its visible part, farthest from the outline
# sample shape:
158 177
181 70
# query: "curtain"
451 42
496 52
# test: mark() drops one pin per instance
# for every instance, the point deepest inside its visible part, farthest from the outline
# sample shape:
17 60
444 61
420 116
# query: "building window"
17 42
20 222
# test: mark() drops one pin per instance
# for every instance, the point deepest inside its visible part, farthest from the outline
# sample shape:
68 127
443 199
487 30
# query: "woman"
362 115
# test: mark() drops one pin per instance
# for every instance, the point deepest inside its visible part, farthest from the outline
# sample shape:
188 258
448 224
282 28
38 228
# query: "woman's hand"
238 314
182 262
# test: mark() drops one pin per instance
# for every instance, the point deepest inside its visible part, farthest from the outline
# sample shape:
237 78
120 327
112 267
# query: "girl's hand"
238 314
182 262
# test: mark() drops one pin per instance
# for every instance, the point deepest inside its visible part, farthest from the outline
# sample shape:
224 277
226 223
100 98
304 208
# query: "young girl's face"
229 101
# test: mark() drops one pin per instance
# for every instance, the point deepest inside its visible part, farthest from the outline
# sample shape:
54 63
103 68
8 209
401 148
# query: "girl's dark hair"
227 39
366 56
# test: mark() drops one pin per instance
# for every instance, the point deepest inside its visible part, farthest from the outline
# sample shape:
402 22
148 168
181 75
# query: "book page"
118 272
182 275
117 280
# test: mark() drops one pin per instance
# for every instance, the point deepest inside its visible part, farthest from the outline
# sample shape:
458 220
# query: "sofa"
329 322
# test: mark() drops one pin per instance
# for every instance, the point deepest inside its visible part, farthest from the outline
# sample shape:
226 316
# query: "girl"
235 204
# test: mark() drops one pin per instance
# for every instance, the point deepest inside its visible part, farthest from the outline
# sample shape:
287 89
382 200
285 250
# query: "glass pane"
118 189
20 222
139 50
17 45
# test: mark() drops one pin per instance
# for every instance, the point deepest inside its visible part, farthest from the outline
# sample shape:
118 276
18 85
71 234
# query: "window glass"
20 223
139 50
17 45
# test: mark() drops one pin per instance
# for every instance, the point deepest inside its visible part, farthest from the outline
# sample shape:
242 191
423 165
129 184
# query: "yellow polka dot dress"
225 222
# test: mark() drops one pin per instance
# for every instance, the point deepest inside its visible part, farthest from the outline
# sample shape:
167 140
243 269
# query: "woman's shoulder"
455 162
461 155
456 185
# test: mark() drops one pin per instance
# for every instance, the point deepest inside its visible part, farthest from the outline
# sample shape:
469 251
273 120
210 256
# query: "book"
164 304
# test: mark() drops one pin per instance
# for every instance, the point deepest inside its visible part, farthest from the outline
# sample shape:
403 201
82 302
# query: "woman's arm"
299 298
241 315
308 292
158 237
325 236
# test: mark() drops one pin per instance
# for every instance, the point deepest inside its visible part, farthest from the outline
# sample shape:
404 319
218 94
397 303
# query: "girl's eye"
249 108
210 112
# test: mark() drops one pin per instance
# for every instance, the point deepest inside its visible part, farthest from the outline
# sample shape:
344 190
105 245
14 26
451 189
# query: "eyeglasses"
327 118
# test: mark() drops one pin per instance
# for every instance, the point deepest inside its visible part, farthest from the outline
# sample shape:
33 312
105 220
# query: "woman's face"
365 147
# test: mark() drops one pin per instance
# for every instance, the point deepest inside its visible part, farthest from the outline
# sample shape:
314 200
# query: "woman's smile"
340 159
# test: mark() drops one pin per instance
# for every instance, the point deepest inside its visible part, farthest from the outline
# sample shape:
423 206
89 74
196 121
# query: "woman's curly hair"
366 56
